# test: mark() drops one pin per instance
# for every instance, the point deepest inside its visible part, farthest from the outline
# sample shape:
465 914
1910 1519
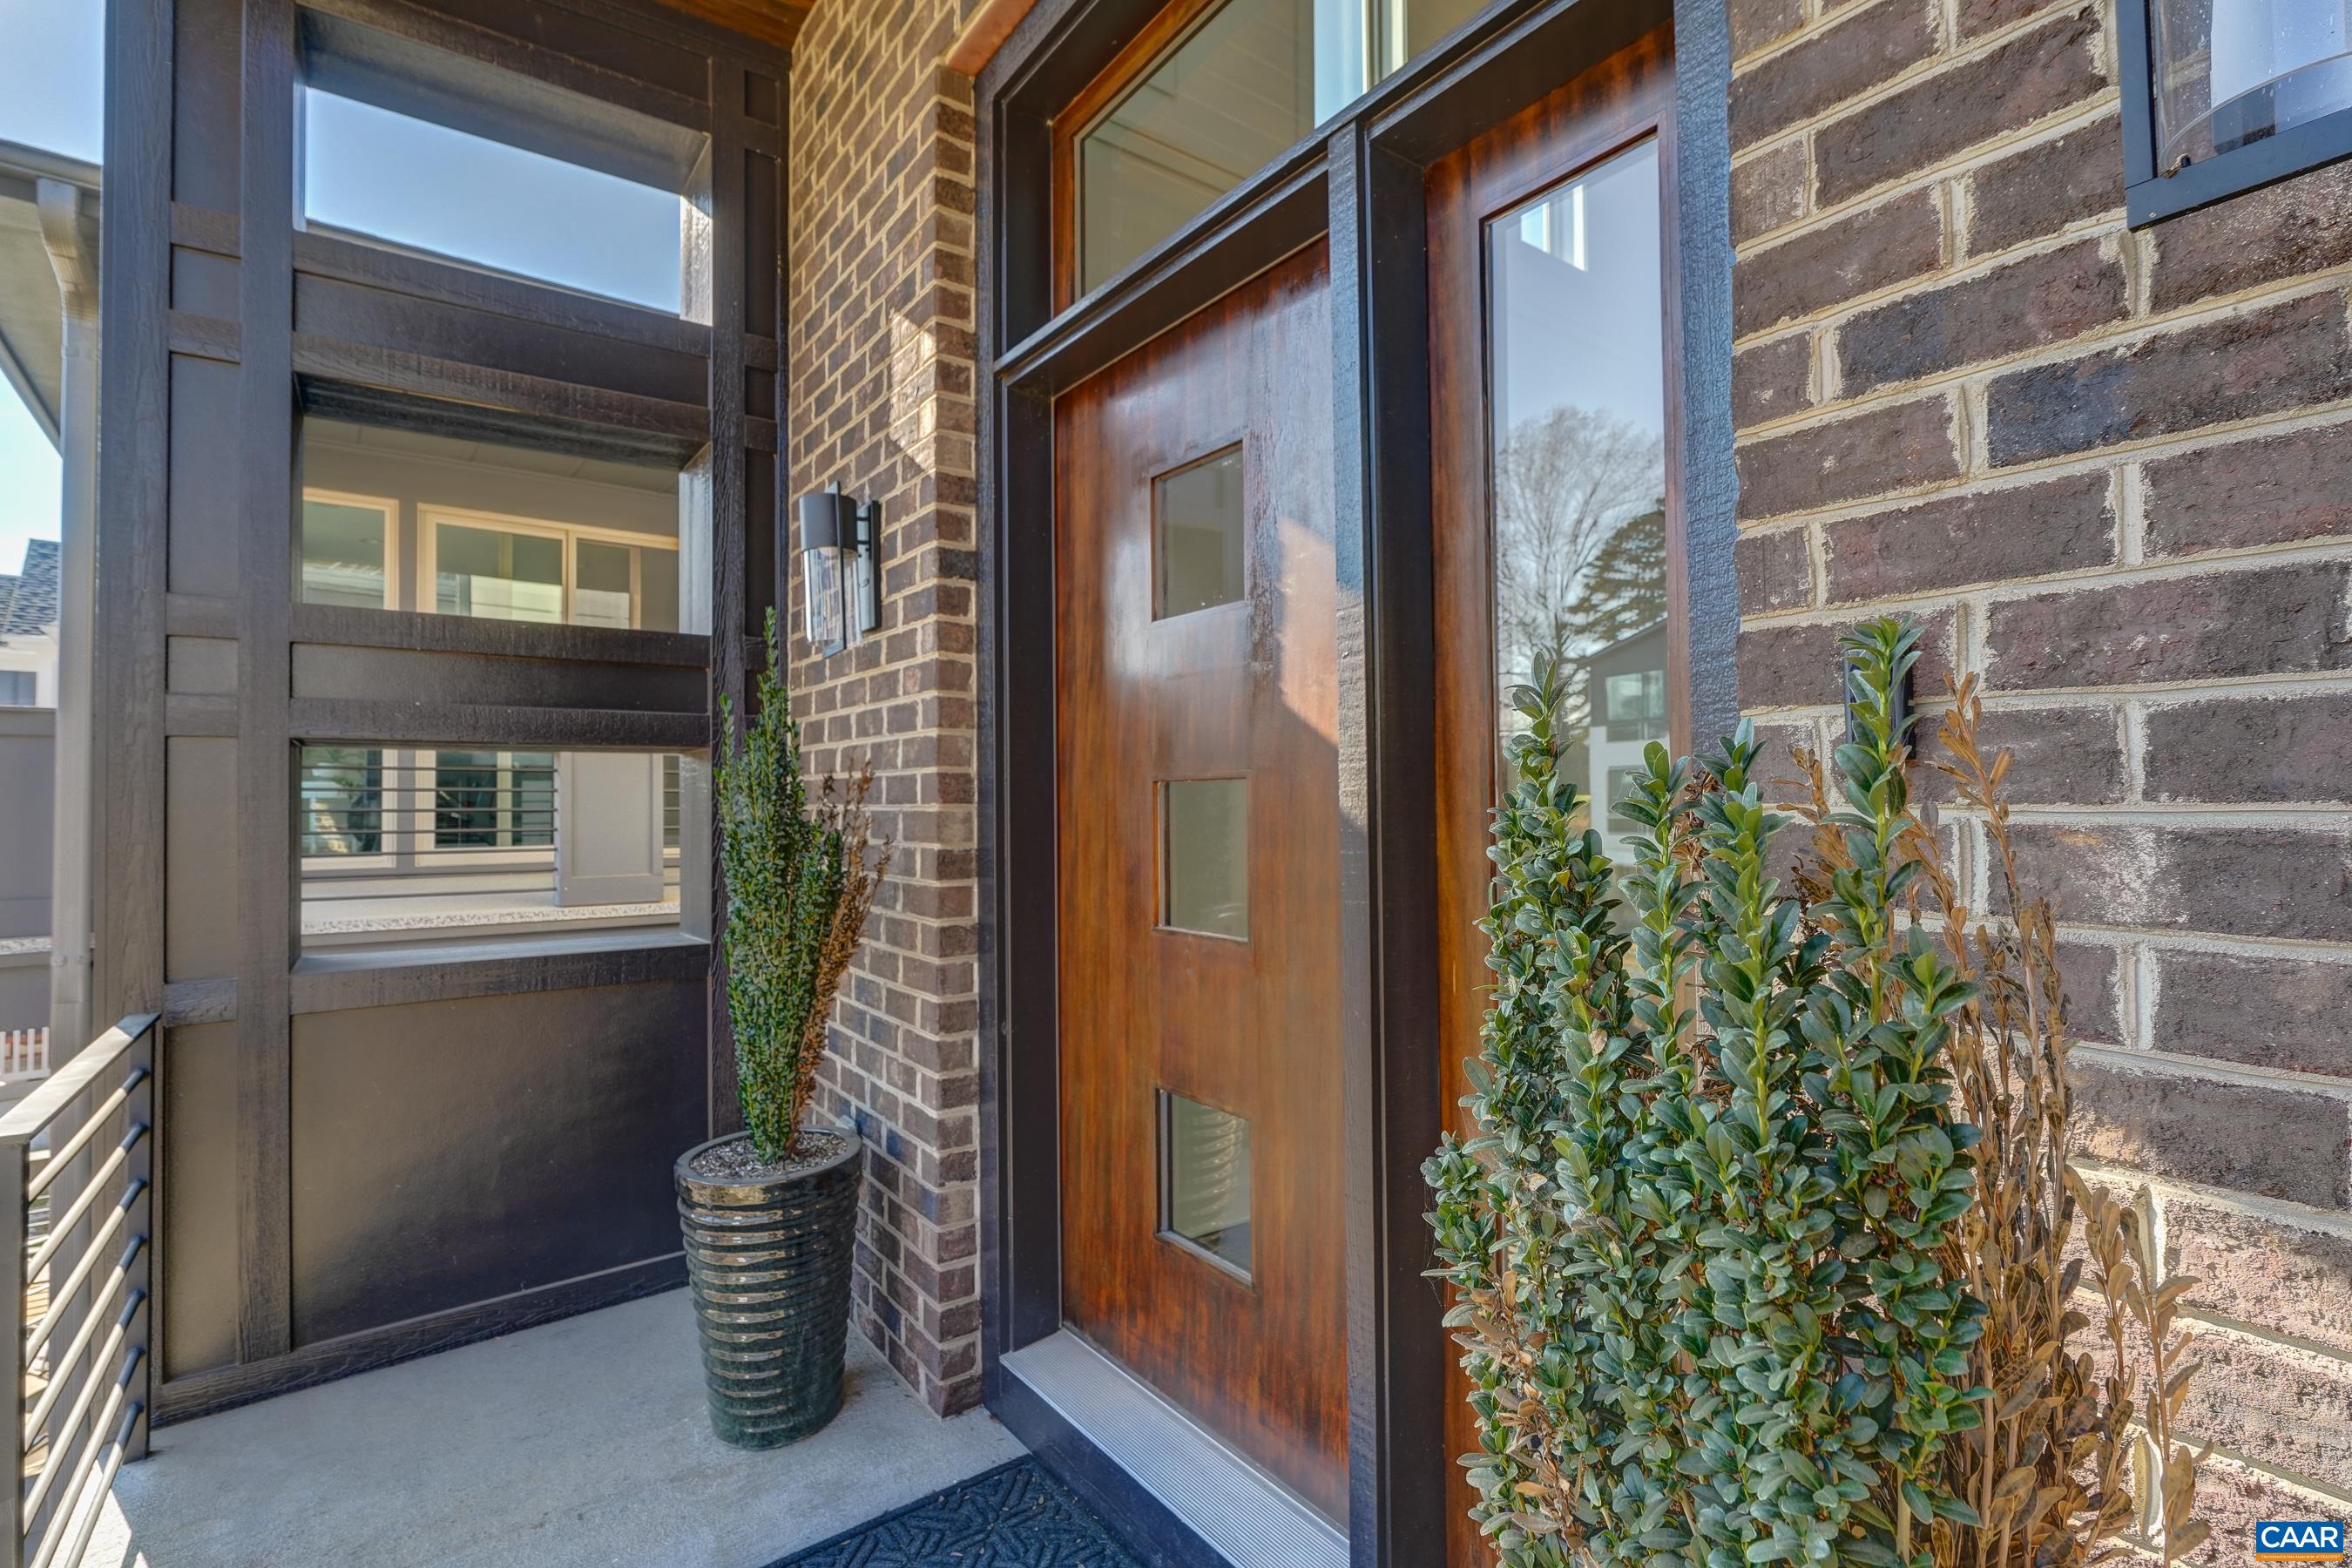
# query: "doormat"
1014 1516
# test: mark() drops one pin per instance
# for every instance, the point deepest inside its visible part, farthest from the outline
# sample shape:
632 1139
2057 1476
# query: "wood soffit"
775 22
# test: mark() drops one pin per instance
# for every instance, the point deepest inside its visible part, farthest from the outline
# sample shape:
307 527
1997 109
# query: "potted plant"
770 1214
1766 1246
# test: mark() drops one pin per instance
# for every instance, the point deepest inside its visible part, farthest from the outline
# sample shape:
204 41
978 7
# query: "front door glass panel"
1204 1181
1204 857
1577 444
1197 523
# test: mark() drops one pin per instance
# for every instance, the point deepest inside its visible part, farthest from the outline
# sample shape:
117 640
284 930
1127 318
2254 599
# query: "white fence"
24 1056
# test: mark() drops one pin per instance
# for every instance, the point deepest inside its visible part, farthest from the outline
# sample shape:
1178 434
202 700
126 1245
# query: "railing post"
12 1175
141 1176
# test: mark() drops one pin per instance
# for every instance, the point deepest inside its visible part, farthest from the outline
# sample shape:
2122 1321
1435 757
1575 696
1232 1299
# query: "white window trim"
387 505
429 519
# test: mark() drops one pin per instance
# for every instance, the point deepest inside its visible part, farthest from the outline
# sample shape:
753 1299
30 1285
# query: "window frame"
555 115
1164 1121
431 515
1165 33
410 805
1356 185
389 505
2151 195
1093 104
1164 888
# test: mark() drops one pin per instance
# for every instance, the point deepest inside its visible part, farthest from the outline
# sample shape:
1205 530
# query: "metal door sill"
1250 1518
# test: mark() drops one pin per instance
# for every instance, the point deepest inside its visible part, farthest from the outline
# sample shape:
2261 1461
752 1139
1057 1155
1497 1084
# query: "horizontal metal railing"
76 1171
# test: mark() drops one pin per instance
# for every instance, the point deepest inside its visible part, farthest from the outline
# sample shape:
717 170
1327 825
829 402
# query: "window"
521 570
19 688
1204 857
347 550
1633 705
411 845
493 800
1204 1182
373 174
2223 96
485 530
1576 446
1243 79
1198 523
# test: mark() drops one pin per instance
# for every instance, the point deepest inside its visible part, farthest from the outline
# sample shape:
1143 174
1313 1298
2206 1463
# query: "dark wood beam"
777 22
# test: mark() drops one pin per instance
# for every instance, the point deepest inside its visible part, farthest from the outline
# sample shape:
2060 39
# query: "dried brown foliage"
2052 1472
840 807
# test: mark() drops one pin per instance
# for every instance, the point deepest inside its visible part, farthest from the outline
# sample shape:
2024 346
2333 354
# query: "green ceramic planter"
769 1264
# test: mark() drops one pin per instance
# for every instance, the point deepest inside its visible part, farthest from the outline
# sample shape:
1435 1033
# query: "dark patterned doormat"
1014 1516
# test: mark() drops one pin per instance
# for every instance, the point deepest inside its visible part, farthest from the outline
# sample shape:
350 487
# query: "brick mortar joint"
1945 57
2122 331
2252 1206
2310 1485
2004 590
2155 448
2238 1330
1967 269
1962 165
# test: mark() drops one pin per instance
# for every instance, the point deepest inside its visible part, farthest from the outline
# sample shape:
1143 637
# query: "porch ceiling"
773 21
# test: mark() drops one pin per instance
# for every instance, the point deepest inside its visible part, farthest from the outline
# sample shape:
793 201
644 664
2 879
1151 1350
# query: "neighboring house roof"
28 602
32 321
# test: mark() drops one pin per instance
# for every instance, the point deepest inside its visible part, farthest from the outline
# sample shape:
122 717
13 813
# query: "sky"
51 77
384 174
368 170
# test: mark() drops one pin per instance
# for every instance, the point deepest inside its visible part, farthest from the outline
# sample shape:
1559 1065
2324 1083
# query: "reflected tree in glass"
1577 409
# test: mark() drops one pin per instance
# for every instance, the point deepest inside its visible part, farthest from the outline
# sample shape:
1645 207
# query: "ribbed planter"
769 1262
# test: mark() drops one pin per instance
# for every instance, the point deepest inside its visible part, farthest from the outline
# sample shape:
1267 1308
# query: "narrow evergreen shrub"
801 878
1710 1246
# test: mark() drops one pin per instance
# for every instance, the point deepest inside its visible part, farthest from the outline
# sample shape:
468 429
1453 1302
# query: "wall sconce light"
2224 96
841 569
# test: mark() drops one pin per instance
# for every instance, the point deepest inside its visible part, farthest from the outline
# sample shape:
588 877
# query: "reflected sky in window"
372 172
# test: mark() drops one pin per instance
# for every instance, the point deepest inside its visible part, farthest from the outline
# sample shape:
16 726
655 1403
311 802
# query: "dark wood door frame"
1359 181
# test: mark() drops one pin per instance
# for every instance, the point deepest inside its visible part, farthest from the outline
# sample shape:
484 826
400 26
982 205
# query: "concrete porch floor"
579 1442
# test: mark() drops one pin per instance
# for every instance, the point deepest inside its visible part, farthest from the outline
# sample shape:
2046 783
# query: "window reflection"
1249 79
371 174
399 519
1578 434
1202 527
1204 856
1204 1197
346 551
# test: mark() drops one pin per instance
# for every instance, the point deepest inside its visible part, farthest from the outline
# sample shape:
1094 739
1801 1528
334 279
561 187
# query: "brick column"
2113 472
880 399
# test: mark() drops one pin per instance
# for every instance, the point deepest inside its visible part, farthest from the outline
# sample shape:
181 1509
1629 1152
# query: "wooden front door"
1201 1219
1555 513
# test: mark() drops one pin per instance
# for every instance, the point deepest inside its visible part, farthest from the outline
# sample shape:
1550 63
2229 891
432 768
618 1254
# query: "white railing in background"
75 1169
24 1056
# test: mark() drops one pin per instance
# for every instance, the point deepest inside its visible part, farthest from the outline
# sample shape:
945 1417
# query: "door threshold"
1245 1516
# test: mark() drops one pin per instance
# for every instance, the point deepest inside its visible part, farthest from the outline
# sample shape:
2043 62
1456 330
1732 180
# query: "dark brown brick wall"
2113 471
880 399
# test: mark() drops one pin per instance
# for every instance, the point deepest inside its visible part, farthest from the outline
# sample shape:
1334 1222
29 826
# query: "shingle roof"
29 605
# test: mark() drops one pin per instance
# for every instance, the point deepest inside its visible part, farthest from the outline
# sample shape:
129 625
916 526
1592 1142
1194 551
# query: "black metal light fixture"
2222 96
841 569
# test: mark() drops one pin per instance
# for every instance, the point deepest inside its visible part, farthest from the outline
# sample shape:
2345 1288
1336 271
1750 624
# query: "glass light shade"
825 588
2232 72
